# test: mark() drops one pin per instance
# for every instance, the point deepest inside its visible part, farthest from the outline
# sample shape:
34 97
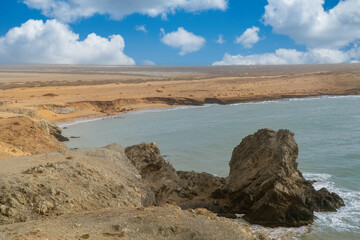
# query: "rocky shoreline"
264 182
133 193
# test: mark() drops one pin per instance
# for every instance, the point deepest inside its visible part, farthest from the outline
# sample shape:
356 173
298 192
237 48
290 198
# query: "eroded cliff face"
20 135
264 182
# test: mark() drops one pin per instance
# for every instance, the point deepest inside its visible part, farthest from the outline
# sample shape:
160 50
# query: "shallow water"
327 130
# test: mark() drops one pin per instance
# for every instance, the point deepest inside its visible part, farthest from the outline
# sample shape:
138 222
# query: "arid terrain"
65 93
50 192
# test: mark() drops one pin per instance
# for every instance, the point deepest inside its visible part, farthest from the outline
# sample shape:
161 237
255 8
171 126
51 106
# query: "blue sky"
270 38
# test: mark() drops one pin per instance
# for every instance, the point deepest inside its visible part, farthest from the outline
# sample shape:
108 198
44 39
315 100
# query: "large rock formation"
264 182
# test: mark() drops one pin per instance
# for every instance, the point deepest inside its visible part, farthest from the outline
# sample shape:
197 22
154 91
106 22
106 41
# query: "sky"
179 32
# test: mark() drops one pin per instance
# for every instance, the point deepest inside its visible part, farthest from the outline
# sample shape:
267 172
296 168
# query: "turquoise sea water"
327 130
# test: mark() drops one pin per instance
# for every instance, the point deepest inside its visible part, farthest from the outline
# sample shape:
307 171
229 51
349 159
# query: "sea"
202 138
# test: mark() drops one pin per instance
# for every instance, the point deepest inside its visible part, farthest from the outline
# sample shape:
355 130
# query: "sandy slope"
20 135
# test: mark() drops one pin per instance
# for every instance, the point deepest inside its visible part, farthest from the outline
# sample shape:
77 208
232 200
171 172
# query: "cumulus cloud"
141 28
55 43
330 36
308 23
292 56
220 39
186 41
72 10
249 37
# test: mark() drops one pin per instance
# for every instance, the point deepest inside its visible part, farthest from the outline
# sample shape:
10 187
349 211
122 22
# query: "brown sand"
89 91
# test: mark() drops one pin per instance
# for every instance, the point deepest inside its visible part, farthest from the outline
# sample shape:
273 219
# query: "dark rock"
186 189
264 182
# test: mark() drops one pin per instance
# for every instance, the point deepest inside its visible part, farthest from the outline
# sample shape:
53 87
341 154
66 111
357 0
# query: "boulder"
265 184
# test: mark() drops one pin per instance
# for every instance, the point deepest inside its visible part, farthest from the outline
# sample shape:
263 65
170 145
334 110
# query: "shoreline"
63 94
75 121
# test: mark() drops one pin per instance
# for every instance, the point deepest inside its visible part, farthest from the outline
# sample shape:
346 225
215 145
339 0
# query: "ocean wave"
277 233
346 219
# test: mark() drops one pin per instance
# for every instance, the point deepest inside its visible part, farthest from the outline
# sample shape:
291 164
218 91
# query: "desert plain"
66 93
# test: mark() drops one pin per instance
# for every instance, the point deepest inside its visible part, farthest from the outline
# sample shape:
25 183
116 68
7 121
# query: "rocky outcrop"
73 181
264 182
52 129
186 189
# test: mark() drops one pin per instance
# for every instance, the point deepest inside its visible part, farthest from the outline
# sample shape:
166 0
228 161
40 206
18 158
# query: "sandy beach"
66 93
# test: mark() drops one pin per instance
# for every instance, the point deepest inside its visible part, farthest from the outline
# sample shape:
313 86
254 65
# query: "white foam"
276 233
346 219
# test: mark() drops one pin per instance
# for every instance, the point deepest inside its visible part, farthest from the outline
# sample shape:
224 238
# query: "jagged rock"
157 172
187 189
264 182
52 129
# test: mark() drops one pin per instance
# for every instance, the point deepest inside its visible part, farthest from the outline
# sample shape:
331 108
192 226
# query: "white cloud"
249 37
292 56
54 43
141 28
149 63
69 11
186 41
308 23
220 39
329 36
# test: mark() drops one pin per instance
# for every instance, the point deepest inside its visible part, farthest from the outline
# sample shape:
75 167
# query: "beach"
67 93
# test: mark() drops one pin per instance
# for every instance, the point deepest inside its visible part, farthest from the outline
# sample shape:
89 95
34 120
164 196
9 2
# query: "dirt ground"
64 93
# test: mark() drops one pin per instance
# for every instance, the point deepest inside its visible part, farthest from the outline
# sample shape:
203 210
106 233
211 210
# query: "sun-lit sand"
92 91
